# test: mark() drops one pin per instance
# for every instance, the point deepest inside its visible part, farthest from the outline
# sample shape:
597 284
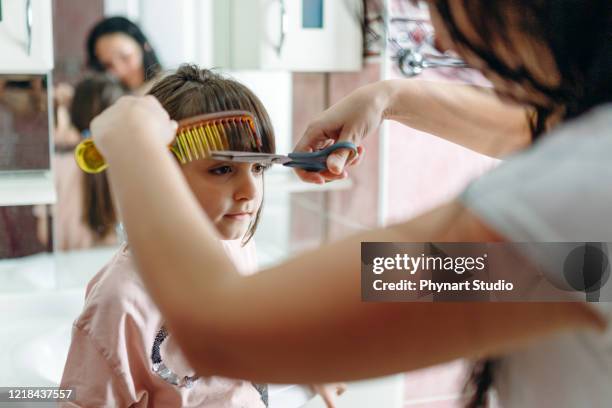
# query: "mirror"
24 122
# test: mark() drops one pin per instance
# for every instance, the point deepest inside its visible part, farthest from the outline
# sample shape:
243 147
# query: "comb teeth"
198 137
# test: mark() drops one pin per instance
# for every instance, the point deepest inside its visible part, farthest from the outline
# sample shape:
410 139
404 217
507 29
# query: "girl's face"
230 193
121 55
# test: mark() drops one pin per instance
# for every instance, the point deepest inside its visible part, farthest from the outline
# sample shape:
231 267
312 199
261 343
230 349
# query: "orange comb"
196 138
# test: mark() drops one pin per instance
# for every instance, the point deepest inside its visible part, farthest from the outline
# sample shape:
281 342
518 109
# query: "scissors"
312 161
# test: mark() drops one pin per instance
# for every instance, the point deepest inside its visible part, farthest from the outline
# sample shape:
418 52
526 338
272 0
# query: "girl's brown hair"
192 91
92 95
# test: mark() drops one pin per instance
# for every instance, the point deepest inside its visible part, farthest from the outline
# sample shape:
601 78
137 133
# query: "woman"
530 52
115 47
118 46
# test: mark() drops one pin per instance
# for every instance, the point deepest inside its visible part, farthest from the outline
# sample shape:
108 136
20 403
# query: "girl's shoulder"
116 295
120 269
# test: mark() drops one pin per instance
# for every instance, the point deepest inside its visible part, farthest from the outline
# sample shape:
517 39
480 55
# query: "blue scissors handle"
317 161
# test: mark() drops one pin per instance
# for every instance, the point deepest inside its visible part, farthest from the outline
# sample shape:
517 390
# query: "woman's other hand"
329 392
63 94
352 119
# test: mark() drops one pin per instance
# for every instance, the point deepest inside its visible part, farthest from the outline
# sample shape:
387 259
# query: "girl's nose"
247 186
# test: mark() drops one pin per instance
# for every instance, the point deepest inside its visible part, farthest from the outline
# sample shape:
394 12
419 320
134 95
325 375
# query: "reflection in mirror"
24 123
19 235
84 215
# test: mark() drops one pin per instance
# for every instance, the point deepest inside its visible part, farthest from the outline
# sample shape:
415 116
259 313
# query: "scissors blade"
249 157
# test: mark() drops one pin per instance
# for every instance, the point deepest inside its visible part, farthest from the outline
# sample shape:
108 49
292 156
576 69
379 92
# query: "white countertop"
52 272
27 188
40 296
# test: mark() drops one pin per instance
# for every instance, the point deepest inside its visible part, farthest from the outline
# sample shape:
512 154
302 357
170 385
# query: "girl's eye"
259 168
220 171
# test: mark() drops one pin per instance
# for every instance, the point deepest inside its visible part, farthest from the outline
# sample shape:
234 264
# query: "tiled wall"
319 217
71 25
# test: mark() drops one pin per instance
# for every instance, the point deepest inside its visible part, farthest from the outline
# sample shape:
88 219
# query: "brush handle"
88 158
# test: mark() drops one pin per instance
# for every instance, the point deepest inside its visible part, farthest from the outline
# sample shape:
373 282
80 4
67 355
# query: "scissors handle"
317 161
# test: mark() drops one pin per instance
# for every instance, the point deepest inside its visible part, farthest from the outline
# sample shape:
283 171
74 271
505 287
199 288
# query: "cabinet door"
297 35
322 35
26 37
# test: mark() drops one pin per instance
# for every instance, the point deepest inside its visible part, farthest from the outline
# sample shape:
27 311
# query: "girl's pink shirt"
109 362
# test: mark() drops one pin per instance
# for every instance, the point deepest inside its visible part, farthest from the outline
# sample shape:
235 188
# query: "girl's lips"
239 216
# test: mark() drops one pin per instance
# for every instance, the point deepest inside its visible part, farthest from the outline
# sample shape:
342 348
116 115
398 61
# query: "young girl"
84 215
121 354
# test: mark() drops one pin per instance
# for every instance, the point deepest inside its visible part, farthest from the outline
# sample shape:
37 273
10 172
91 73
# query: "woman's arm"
470 116
302 321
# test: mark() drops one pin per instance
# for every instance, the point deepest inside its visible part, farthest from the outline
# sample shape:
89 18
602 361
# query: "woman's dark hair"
92 95
192 91
113 25
578 35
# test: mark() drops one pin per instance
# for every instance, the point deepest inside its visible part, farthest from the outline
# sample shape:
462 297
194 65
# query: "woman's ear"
146 46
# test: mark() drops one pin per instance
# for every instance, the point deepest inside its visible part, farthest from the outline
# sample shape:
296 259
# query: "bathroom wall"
423 170
319 217
71 25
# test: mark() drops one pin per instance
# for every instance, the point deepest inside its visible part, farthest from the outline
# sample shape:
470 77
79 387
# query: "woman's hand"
63 94
130 120
352 119
329 392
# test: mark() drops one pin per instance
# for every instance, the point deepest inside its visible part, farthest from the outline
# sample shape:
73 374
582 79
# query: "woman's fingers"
310 177
356 159
340 388
328 392
343 158
337 161
319 177
328 398
63 94
352 119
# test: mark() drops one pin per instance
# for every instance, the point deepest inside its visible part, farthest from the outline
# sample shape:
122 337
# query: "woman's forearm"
305 321
470 116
